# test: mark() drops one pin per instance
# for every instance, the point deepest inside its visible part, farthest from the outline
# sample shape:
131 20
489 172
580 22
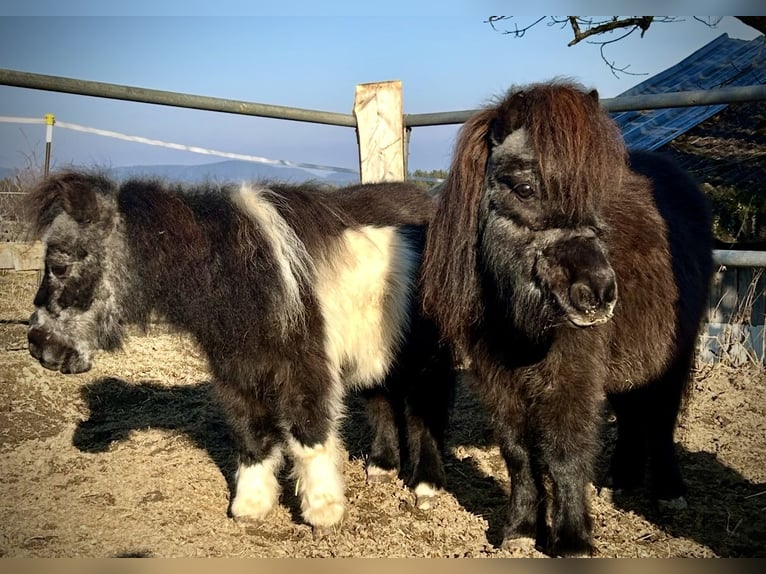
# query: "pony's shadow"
727 518
118 408
725 513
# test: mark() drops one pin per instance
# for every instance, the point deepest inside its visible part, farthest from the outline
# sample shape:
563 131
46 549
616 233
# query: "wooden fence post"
380 131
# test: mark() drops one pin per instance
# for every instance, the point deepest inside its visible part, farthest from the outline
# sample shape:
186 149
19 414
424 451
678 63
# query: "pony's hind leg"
384 411
426 377
646 421
628 464
429 399
665 396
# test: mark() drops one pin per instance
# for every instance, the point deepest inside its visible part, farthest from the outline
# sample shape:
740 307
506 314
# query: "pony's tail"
449 277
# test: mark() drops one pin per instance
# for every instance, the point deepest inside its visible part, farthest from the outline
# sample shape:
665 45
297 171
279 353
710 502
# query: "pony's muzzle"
577 271
53 353
592 300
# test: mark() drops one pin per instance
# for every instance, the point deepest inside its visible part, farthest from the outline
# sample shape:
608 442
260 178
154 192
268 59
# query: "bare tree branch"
516 32
635 22
585 27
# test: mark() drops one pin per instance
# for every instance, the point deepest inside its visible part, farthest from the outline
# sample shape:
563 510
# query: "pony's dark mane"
449 279
51 197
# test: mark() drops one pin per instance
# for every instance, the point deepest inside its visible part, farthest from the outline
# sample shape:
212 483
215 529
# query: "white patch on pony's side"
288 250
257 488
364 290
319 481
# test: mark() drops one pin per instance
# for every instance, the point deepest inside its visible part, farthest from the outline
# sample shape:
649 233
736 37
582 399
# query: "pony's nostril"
595 295
582 296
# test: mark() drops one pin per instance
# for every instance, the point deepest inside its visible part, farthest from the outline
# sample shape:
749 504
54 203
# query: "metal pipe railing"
621 104
736 258
160 97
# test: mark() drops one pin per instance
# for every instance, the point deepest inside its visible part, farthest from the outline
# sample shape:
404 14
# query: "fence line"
181 147
143 95
160 97
621 104
164 98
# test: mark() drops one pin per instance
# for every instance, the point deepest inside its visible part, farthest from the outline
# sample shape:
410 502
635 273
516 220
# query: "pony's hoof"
425 502
522 544
248 522
580 549
425 496
322 532
244 514
673 504
377 475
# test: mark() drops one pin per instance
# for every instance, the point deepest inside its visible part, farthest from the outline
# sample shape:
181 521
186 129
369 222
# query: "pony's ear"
496 132
507 118
594 94
72 192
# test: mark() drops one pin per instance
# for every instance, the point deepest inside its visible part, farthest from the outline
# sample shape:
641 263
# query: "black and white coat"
297 295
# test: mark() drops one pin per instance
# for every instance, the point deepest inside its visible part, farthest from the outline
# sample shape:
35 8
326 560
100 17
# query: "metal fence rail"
621 104
160 97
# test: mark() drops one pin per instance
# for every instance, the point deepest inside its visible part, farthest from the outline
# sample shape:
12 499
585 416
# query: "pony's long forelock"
580 152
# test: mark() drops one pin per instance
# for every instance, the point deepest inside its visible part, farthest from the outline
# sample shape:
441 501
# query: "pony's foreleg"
319 482
567 425
259 440
521 523
257 488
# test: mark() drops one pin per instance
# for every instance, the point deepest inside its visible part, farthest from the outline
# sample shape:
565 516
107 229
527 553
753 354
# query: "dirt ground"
134 459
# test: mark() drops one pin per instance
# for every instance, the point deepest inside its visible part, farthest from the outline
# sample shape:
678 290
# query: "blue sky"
301 54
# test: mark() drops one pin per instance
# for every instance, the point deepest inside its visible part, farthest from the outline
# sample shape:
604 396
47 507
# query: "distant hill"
224 171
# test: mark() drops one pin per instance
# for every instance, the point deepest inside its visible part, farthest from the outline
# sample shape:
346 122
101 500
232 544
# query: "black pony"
296 294
564 269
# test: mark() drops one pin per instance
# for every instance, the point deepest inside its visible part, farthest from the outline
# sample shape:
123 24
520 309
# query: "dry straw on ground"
134 459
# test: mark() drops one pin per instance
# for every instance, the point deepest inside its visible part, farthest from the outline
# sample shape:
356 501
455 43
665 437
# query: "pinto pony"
295 294
565 269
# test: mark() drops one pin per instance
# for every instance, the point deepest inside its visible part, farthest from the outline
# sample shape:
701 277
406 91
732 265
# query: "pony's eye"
523 190
58 270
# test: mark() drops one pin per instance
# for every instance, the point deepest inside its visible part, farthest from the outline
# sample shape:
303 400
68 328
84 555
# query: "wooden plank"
22 256
380 131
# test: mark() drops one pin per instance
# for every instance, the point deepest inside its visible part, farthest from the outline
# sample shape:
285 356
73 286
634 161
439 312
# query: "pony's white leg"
257 487
319 481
